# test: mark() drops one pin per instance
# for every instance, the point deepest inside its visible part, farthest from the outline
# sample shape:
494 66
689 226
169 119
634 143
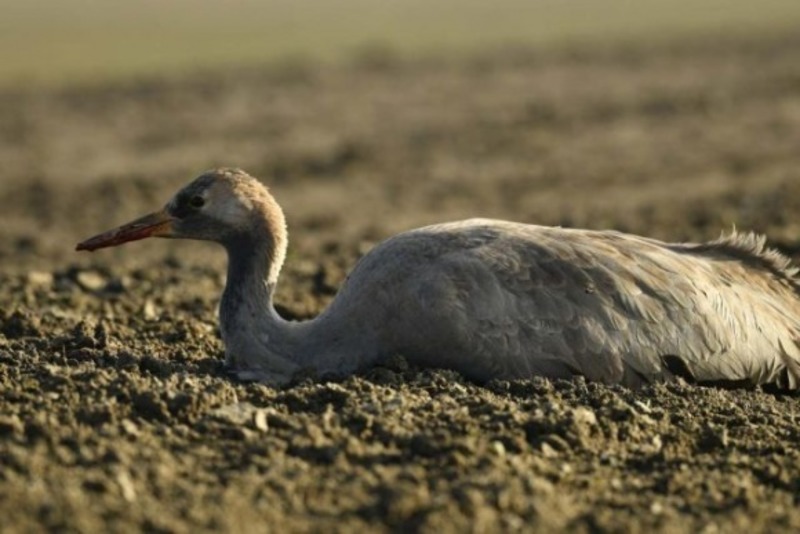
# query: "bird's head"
221 205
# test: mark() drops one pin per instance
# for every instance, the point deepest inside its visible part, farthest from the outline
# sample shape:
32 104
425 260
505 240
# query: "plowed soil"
116 413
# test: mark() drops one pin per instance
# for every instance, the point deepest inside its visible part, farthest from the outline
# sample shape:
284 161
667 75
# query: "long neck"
259 344
256 253
252 275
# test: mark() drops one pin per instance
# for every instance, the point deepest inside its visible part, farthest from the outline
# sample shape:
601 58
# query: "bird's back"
494 299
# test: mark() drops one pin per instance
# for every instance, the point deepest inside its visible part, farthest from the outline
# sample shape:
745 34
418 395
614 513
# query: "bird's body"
496 299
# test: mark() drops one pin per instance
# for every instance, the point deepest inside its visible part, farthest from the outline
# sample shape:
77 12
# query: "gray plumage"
496 299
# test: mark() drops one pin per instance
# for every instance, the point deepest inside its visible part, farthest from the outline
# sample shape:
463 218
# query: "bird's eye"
197 201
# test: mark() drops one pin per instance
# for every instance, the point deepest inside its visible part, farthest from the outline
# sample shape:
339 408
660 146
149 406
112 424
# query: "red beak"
158 224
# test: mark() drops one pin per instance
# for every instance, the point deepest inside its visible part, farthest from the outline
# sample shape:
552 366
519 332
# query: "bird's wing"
612 307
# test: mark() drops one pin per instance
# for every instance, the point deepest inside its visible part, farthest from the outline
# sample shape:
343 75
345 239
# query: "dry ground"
115 413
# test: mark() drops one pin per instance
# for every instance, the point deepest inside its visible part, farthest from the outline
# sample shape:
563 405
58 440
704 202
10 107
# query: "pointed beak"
158 224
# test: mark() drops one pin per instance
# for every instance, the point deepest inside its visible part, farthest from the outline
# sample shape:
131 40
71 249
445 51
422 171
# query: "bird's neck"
253 270
256 254
259 344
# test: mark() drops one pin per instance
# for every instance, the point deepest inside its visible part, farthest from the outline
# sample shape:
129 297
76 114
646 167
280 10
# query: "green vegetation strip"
64 41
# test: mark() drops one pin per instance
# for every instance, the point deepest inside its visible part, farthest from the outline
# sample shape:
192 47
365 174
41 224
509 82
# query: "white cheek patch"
246 203
233 211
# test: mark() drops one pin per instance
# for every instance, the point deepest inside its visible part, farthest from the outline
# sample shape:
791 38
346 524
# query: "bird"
494 299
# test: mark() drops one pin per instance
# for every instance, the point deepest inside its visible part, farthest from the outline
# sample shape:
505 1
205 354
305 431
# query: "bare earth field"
116 413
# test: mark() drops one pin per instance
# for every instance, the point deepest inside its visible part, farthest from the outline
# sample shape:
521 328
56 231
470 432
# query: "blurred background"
57 42
674 118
